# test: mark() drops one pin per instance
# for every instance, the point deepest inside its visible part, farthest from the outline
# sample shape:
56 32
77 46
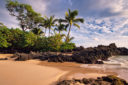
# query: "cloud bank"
106 21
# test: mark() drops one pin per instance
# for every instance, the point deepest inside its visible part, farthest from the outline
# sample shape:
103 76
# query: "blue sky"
106 21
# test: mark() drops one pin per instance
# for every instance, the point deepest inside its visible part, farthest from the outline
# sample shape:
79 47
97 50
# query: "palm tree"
61 26
44 24
69 39
37 31
71 19
49 23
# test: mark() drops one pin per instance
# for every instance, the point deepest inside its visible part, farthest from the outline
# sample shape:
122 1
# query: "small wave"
122 61
112 62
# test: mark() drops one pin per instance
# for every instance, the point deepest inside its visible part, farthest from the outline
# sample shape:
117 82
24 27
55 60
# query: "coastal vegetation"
37 33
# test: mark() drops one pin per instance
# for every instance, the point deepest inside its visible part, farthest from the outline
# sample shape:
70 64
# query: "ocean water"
117 64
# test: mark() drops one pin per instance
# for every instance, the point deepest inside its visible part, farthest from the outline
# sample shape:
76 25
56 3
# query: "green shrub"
55 42
67 46
4 37
20 40
41 44
17 38
29 39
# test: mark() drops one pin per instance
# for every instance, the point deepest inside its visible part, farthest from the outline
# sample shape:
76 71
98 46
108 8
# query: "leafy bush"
55 42
29 39
67 46
16 39
41 44
4 37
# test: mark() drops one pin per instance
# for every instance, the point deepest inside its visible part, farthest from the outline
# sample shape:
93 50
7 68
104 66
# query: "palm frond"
69 11
74 13
79 20
76 25
66 14
62 20
70 39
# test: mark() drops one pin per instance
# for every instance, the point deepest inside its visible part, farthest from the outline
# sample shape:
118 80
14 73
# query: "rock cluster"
90 55
3 58
107 80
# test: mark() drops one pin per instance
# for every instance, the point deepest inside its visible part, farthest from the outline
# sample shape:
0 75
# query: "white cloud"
38 5
106 21
104 31
7 19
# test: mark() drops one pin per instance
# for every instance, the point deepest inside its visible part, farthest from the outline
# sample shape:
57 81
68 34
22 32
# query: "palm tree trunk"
68 33
49 31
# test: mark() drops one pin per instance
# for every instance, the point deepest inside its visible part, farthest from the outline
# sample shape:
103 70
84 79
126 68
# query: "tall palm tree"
50 22
61 26
44 24
69 39
71 19
37 31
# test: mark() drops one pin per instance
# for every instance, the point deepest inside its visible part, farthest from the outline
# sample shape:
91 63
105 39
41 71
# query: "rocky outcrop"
60 58
79 48
123 51
31 55
3 58
90 55
108 80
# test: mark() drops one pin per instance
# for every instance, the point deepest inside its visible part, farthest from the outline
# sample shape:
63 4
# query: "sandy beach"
28 73
35 72
31 72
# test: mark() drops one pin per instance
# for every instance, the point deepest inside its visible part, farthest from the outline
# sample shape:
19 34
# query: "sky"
106 21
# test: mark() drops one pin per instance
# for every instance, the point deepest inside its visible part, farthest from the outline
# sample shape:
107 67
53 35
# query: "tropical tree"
49 23
4 37
37 31
45 24
61 26
27 17
69 39
71 19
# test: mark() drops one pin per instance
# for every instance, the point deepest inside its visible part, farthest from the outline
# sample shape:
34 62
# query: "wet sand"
76 71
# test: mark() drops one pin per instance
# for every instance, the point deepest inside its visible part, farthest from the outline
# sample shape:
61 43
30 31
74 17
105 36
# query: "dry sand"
5 55
27 73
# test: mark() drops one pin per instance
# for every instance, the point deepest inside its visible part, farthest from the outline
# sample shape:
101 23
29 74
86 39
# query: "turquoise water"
117 64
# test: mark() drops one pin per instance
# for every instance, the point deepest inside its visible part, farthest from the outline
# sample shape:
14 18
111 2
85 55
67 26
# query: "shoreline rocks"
105 80
90 55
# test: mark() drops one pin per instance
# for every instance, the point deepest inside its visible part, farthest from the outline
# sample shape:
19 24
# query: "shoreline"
60 71
33 72
75 71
